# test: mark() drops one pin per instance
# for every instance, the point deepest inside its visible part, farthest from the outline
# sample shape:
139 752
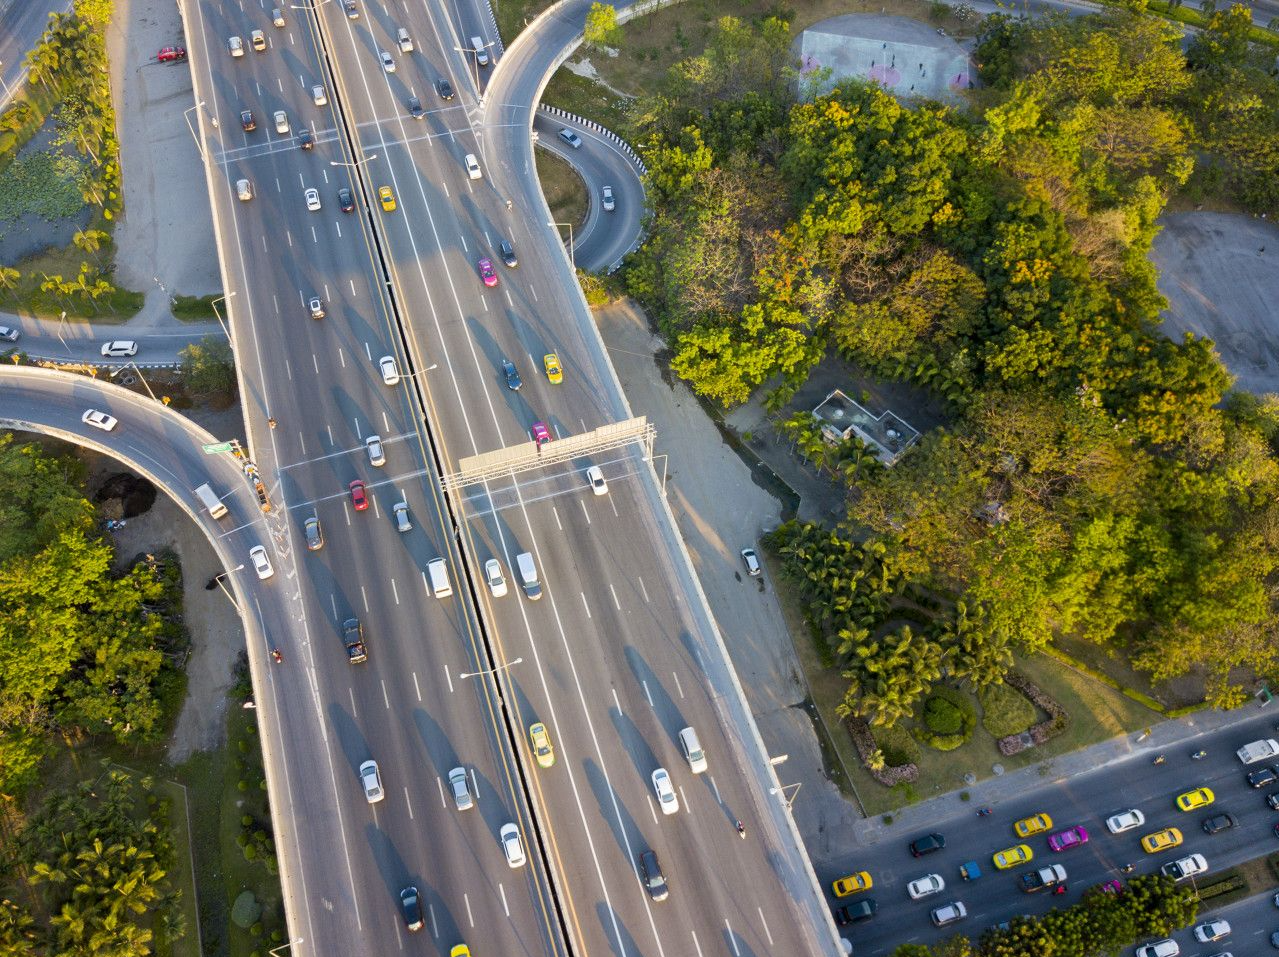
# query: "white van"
528 576
481 51
210 501
438 571
692 749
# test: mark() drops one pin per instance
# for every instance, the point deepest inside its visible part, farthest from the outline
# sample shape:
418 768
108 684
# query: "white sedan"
372 781
261 564
922 887
512 847
595 476
1212 930
313 199
99 420
496 580
666 795
281 122
390 374
1125 821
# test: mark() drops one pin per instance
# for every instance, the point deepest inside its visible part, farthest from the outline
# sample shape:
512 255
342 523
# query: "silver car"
459 784
377 455
388 64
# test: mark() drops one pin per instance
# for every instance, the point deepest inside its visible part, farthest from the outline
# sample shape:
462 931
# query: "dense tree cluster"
103 867
83 650
1092 481
1102 923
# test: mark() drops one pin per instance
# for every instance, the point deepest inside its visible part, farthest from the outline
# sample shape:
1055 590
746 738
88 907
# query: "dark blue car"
513 381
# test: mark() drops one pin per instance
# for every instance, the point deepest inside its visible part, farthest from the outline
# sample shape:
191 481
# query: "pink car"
487 272
540 434
1065 840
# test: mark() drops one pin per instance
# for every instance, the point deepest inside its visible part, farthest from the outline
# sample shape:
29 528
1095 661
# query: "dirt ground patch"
564 190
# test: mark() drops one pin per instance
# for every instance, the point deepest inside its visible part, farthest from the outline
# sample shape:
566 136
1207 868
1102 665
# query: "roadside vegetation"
90 664
68 99
1094 480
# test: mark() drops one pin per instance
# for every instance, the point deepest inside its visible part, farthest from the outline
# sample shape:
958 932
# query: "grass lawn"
564 190
194 307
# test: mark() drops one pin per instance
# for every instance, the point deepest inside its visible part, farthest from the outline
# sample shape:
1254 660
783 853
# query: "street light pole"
218 315
354 163
144 380
491 671
572 257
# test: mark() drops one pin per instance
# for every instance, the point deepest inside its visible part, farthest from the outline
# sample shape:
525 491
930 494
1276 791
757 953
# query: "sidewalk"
1177 736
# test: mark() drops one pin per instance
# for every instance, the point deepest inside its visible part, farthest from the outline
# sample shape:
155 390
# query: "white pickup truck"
1258 750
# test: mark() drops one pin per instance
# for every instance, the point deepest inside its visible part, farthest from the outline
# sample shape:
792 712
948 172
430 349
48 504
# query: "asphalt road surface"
618 654
1086 800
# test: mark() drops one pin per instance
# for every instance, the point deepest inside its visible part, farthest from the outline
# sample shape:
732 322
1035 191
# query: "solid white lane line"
435 926
584 604
616 603
341 357
334 602
417 690
288 234
614 505
355 712
556 513
288 370
648 695
732 936
617 702
315 361
425 587
585 513
395 591
697 944
364 598
475 785
276 301
386 699
302 442
678 687
470 917
409 801
448 676
339 225
314 238
506 907
533 292
643 590
330 428
368 353
351 283
386 423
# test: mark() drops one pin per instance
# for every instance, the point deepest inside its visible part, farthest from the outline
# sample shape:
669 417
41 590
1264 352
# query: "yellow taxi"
388 203
1161 840
551 362
1199 797
461 950
852 884
541 741
1033 825
1012 856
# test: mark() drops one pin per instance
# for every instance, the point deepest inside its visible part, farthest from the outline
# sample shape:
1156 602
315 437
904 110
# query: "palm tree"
9 277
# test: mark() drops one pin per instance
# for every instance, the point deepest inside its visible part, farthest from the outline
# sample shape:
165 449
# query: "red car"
540 433
171 55
358 498
487 272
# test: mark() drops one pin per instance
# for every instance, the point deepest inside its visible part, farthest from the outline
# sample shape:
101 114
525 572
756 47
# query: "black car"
352 11
411 906
927 845
652 874
247 121
444 88
306 140
512 374
1217 823
415 108
854 913
1262 776
507 252
346 200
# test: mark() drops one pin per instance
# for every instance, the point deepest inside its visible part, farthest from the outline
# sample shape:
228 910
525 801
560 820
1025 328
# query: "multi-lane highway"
617 655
